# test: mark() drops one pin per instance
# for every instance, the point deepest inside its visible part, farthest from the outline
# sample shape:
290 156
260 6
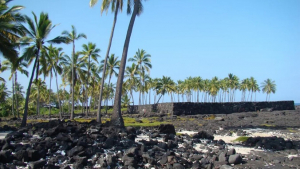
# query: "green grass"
241 139
146 122
291 130
268 125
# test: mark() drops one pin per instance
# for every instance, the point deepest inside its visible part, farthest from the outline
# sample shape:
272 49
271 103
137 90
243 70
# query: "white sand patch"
227 139
187 132
3 134
243 150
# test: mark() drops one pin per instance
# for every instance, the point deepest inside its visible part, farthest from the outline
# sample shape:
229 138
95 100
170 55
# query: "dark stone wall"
189 108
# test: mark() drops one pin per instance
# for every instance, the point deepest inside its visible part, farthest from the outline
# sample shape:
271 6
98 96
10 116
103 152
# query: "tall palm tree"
19 66
143 62
90 51
71 37
117 119
164 85
10 30
116 6
52 64
268 86
243 87
112 67
131 78
40 85
36 37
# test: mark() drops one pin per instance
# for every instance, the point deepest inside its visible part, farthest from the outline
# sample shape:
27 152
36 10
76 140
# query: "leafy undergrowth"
241 139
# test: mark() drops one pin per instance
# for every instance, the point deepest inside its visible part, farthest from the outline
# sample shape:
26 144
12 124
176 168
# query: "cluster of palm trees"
196 89
81 71
34 37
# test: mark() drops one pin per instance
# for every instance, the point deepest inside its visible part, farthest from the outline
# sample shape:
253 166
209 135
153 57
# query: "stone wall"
189 108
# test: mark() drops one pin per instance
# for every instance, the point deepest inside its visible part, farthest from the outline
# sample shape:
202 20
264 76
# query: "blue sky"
194 38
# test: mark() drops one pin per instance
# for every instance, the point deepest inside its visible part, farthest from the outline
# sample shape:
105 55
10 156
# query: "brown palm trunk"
116 119
24 120
50 96
105 62
59 104
72 108
13 96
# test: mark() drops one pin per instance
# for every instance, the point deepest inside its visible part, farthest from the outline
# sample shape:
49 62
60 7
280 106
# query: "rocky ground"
202 141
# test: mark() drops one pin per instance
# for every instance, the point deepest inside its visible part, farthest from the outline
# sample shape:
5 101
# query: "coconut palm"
90 51
39 85
51 63
4 93
112 67
233 82
78 72
19 66
116 6
18 96
131 78
268 86
243 87
143 62
10 30
164 85
117 119
253 86
70 37
214 88
36 37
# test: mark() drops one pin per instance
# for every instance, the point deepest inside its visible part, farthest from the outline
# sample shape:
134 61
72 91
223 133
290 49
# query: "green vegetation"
268 125
241 139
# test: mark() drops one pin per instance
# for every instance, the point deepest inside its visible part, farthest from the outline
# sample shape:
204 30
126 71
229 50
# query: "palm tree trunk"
24 120
38 101
72 108
50 95
159 99
13 96
116 119
87 81
17 92
105 62
59 104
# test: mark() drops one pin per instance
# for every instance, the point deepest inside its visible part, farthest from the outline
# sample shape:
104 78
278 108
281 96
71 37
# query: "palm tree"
164 85
19 66
90 51
253 86
52 64
117 119
268 86
39 85
4 93
131 78
116 5
143 62
10 30
112 67
233 81
18 96
36 37
243 87
70 37
214 88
